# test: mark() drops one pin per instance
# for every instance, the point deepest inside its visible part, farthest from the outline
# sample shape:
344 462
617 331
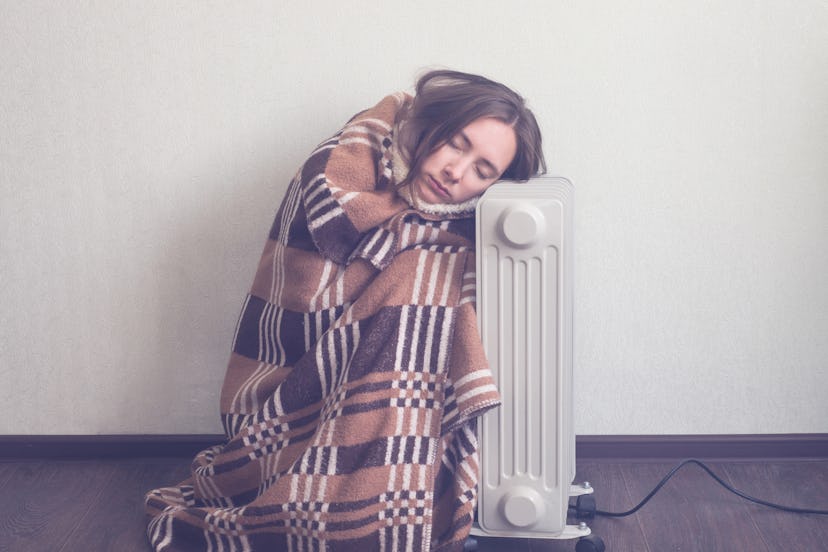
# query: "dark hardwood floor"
96 505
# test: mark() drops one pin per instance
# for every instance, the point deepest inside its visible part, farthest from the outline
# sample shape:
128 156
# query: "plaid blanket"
356 374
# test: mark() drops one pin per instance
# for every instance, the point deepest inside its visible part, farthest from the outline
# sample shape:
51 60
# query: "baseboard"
710 447
587 447
104 446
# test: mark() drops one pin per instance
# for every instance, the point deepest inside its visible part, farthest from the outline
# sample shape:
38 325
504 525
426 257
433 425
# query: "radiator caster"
585 507
470 545
590 543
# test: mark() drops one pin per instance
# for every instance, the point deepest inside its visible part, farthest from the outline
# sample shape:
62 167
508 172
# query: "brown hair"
447 101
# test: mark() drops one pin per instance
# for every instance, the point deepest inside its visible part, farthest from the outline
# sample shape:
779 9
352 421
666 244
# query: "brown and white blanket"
355 378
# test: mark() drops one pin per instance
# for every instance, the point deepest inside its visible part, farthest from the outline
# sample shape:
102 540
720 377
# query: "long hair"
447 101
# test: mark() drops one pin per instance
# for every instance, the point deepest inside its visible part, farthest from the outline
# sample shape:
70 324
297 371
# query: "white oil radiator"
525 312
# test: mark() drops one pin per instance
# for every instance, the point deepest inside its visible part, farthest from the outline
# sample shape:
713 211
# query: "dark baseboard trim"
587 448
104 446
710 447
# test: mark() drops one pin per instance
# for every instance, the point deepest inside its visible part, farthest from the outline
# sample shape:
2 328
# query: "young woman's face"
471 161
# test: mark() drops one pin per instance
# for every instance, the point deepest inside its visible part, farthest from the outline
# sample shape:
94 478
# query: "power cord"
585 506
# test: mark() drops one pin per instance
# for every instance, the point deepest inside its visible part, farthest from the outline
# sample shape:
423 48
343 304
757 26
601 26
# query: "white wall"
145 146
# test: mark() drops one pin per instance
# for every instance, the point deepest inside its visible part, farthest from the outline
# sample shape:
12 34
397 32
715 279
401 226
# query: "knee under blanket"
356 375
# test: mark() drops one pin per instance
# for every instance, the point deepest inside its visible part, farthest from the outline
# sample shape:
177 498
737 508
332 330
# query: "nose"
455 170
451 173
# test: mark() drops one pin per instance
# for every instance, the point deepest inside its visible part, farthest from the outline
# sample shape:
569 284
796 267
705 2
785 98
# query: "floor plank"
612 495
89 506
6 470
691 513
44 501
797 484
116 521
501 544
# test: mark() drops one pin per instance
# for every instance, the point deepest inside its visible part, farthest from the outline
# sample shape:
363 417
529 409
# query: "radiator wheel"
590 543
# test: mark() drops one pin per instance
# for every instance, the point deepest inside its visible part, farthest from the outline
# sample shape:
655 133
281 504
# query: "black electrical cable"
719 481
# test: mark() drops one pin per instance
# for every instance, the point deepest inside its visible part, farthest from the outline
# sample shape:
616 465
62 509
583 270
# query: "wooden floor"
88 505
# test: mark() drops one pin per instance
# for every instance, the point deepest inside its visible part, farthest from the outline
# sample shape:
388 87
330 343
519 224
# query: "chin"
425 194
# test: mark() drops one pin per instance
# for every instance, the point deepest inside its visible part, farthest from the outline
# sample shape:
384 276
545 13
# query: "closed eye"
483 174
460 142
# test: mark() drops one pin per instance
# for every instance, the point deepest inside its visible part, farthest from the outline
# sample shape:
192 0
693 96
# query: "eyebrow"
483 160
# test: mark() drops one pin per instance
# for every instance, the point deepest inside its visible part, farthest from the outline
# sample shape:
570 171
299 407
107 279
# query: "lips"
438 188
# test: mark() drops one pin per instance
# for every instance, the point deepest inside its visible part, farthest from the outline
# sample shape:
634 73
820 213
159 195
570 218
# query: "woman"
357 373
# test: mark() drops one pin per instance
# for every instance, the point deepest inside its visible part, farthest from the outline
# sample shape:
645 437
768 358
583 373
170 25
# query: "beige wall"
145 147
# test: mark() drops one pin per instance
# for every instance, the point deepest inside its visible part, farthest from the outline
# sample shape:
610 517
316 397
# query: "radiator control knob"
522 224
522 506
